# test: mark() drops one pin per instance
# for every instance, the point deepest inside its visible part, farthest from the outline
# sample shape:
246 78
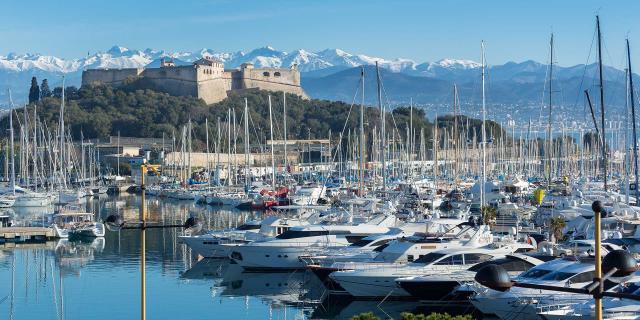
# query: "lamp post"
117 223
618 263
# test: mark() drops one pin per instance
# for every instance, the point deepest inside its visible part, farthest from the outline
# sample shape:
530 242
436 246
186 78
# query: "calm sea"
100 278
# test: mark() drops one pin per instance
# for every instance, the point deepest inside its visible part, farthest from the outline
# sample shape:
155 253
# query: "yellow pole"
143 290
598 263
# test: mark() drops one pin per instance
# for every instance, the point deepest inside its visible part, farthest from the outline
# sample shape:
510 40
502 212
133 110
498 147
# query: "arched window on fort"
276 74
266 74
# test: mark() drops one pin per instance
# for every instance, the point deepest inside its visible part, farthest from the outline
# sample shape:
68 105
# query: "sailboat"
23 197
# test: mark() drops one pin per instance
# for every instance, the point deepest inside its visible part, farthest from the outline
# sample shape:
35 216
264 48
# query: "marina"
267 184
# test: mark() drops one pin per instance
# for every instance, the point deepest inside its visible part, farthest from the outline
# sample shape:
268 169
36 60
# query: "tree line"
99 111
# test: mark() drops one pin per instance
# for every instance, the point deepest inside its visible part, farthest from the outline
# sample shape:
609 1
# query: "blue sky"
419 30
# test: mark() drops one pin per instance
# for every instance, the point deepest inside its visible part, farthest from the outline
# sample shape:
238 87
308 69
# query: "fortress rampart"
206 79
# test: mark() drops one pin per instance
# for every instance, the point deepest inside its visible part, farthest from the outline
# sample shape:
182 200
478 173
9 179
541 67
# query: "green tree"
365 316
34 91
489 214
434 316
556 225
45 92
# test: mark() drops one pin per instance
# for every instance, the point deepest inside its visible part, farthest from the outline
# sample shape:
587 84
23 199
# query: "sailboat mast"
284 119
206 129
633 121
550 142
246 145
120 153
273 162
484 134
455 132
229 147
63 161
383 134
410 139
601 85
362 134
11 147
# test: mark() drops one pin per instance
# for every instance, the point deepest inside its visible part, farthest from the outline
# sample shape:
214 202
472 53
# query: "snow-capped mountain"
16 70
121 57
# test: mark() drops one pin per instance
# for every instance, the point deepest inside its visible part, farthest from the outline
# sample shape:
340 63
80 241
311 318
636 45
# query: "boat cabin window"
361 243
583 277
380 248
249 227
430 257
473 258
506 263
292 234
535 273
381 242
339 232
558 276
628 288
451 260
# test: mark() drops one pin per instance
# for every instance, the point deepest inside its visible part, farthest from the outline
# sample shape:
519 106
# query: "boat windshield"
430 257
558 276
249 227
629 288
534 274
292 234
361 243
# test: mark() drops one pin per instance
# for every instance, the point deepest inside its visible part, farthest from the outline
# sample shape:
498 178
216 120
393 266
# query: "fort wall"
205 79
113 77
287 80
177 81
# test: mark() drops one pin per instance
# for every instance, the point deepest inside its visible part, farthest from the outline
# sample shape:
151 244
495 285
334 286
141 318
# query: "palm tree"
556 225
489 214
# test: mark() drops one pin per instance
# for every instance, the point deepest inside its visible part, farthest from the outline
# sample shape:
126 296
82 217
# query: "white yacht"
218 244
66 224
400 250
28 198
612 308
307 195
442 285
523 303
7 201
377 282
285 250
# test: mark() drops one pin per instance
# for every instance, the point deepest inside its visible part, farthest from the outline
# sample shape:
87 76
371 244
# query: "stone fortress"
206 79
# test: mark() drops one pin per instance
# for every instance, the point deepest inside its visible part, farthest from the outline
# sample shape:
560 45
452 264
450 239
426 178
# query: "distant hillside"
515 84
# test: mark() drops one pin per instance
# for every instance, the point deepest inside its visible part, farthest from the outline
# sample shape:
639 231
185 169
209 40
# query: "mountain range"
334 74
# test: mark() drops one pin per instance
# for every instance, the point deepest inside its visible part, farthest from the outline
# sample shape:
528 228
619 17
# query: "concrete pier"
26 234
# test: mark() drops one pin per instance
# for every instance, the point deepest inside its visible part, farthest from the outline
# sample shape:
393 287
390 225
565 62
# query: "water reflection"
74 279
72 256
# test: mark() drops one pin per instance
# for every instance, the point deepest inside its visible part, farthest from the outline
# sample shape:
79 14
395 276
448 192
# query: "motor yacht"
285 250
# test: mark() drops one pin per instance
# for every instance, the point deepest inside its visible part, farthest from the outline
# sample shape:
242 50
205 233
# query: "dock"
26 234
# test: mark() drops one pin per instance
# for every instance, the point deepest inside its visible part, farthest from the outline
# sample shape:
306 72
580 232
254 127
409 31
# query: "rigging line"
395 124
544 87
346 120
255 131
584 73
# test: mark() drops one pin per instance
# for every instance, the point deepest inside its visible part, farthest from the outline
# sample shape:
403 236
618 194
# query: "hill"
99 111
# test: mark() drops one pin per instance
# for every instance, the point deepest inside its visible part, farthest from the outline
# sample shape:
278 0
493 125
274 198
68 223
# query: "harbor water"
100 278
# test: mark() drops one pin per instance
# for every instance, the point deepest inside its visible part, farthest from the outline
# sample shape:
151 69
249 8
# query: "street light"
116 222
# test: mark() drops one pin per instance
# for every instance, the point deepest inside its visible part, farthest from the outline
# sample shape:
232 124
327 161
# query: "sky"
418 30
